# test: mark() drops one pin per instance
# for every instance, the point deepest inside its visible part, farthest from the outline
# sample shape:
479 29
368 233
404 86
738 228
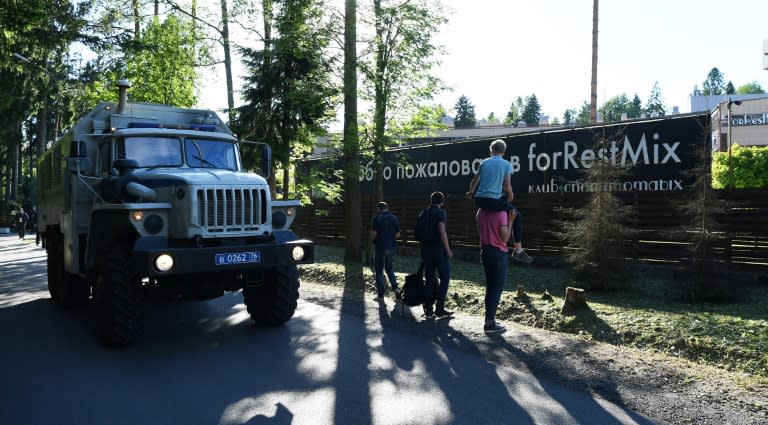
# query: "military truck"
141 201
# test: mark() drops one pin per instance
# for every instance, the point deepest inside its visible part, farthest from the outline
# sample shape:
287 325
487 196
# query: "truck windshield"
151 151
203 153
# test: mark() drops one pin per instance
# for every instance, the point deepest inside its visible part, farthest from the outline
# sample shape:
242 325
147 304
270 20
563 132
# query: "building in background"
748 122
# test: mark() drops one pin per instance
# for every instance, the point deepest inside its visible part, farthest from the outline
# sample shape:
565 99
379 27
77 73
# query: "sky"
497 50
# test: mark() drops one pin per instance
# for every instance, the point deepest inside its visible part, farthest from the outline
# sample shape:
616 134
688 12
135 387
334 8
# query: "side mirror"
265 157
266 161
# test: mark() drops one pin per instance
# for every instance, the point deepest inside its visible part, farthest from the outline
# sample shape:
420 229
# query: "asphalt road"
205 363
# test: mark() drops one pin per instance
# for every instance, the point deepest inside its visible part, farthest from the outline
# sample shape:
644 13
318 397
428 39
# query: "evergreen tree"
532 111
729 88
492 119
703 231
635 108
596 232
289 96
569 116
715 82
465 114
655 101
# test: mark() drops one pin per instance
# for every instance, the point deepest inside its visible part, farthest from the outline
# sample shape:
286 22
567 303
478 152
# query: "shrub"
750 168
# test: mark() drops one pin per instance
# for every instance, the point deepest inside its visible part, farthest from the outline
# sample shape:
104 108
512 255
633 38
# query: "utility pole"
593 92
730 143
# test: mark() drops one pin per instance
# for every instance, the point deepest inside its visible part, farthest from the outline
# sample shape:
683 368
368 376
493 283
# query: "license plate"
238 258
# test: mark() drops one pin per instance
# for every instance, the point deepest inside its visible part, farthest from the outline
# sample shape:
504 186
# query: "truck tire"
69 290
117 300
274 302
52 261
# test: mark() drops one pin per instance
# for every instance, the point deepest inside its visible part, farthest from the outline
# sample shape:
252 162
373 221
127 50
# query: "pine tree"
702 278
596 232
532 111
715 82
465 114
655 101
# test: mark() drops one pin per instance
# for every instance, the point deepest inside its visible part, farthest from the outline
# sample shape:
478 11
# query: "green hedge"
750 168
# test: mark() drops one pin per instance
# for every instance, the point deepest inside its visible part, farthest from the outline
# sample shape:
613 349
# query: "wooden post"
575 299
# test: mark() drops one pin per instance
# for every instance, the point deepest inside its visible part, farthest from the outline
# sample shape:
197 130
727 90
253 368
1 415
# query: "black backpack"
413 289
424 231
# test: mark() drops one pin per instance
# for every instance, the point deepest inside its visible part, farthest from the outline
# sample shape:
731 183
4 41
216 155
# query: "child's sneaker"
522 257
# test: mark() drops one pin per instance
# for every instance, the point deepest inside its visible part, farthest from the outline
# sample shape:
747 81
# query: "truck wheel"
274 302
69 290
54 262
117 300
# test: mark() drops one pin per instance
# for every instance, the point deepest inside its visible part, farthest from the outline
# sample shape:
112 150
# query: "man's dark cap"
382 205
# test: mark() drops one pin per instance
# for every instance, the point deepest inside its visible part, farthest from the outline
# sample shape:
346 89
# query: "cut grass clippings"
646 314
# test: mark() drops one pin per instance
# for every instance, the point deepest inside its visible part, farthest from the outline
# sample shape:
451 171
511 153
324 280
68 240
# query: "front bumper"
203 259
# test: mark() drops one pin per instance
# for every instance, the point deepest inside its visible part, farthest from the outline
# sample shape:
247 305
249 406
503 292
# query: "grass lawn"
646 314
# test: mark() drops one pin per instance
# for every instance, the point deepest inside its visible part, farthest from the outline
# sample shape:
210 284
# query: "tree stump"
575 299
521 292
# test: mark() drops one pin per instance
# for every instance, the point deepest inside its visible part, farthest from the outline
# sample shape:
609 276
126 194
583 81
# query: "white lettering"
466 168
671 153
642 149
454 168
570 152
421 170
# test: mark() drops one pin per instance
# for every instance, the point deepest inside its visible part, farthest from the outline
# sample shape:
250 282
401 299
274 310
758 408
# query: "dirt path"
665 388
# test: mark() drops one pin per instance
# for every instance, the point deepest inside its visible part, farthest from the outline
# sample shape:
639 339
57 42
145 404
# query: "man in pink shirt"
494 228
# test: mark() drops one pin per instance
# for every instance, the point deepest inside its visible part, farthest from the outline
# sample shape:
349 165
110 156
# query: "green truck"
140 201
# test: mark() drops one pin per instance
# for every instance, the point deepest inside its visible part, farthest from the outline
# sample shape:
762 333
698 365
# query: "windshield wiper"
205 161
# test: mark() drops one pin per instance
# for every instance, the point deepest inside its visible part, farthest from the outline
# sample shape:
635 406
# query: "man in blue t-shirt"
492 190
385 230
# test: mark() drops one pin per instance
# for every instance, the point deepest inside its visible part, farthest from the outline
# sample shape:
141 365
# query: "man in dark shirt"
436 255
385 230
21 222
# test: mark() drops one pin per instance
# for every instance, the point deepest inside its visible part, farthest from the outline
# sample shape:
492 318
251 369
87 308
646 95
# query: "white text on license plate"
238 258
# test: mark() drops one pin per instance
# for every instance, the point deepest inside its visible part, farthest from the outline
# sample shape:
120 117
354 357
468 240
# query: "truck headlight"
279 219
298 253
153 224
164 262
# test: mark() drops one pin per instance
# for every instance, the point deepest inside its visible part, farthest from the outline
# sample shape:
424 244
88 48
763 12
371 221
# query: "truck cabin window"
203 153
151 151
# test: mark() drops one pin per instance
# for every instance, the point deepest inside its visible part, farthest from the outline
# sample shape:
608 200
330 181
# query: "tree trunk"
228 60
42 127
575 299
380 104
352 250
136 19
593 92
268 13
15 170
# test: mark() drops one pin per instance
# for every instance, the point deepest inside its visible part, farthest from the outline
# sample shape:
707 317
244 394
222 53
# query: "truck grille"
231 210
